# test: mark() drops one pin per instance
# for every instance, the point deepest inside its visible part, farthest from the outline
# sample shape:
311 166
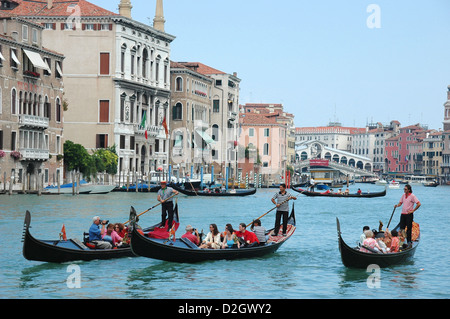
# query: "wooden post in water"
58 176
72 174
11 184
78 182
128 180
40 183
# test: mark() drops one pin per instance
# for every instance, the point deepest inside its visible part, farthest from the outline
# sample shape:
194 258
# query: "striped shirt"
280 198
166 193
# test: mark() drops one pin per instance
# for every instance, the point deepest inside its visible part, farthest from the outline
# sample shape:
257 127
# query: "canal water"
306 266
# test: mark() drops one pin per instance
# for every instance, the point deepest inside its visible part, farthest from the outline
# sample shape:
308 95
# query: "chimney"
158 21
125 8
49 4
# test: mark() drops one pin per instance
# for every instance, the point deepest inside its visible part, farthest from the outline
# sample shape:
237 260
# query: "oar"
395 207
151 208
270 211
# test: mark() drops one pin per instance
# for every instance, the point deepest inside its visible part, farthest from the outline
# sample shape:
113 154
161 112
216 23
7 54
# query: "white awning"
49 70
36 59
14 57
58 68
205 137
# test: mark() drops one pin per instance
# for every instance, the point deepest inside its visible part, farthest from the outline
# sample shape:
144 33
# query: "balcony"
33 121
152 131
34 154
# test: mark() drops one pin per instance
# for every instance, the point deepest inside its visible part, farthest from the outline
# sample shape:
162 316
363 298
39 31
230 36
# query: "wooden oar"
151 208
270 211
395 207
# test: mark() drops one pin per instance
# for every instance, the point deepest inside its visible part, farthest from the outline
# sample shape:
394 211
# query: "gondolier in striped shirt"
281 199
164 195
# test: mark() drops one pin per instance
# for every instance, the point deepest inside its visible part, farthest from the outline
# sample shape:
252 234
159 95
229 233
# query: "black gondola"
238 192
184 251
60 251
354 258
326 194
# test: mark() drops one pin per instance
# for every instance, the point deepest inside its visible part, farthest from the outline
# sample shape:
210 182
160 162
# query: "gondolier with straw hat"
165 195
282 203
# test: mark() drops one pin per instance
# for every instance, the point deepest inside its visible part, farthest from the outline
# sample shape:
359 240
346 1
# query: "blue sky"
319 58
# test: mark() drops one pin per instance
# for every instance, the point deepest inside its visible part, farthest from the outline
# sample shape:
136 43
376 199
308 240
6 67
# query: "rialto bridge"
346 162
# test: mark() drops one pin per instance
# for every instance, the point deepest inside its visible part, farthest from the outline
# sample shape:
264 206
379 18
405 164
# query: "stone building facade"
31 106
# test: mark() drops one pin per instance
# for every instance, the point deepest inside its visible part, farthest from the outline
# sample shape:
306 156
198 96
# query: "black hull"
201 193
182 251
58 251
353 258
316 194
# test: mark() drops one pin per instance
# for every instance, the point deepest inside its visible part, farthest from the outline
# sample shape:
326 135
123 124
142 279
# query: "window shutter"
104 63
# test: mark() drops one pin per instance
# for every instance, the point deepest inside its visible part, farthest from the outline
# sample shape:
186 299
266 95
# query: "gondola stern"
292 216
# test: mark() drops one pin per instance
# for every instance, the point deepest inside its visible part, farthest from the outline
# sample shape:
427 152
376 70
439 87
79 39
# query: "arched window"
122 58
215 132
145 63
58 110
177 113
179 84
13 101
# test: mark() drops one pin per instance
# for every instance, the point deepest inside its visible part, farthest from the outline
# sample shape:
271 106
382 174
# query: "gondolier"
164 197
282 203
408 200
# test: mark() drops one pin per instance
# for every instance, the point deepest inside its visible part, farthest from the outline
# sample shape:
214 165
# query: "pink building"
264 139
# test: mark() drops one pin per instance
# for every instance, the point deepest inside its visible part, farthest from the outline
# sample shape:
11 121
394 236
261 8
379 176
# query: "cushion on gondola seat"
189 243
91 245
415 231
162 233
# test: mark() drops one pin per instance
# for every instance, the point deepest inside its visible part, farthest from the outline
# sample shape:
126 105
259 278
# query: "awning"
58 68
49 70
14 57
36 59
205 137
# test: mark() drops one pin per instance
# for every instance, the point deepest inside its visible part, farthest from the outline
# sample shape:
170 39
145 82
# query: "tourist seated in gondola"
192 235
230 239
259 231
347 191
111 236
359 192
212 240
395 242
371 243
120 229
363 235
249 238
95 234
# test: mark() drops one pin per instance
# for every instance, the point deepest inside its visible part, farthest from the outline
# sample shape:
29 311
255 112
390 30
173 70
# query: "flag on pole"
144 120
164 124
63 233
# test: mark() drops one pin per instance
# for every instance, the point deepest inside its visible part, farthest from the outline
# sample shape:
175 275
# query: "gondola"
354 258
182 250
325 194
238 192
60 251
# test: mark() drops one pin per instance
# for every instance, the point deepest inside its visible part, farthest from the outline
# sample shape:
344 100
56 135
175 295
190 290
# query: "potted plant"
16 155
2 154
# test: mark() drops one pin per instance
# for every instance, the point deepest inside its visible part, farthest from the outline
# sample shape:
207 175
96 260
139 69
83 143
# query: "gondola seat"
189 243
